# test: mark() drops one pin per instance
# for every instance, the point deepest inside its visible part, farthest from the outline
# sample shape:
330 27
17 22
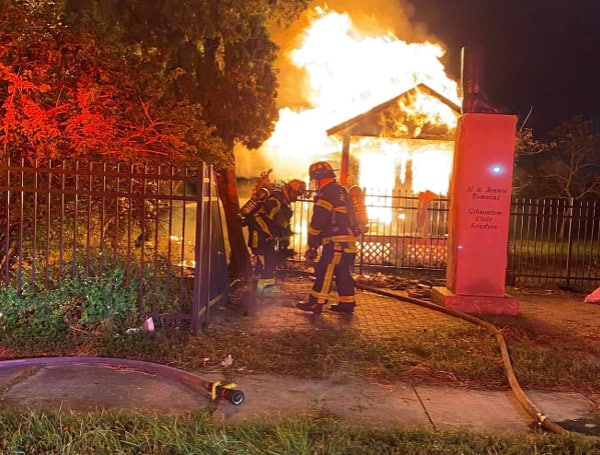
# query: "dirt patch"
554 312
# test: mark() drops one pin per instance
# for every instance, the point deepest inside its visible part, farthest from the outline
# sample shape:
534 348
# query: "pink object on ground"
149 325
594 297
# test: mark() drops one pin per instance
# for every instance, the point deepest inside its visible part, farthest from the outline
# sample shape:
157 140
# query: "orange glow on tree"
63 97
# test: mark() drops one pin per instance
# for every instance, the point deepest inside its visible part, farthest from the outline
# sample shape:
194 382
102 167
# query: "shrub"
75 305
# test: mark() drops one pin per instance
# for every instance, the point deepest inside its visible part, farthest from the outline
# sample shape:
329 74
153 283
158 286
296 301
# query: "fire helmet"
320 170
296 188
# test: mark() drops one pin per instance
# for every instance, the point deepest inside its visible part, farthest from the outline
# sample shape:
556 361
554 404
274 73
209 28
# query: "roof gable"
391 119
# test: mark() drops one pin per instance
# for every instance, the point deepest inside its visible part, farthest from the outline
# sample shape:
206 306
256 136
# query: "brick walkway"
375 315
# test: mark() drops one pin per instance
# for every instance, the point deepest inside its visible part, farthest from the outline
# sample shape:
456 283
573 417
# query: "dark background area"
542 55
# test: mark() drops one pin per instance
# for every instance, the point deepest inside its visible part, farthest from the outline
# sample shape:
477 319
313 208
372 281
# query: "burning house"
393 110
381 145
401 130
333 74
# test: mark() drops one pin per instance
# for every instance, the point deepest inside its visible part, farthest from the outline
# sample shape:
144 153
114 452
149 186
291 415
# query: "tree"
223 58
65 97
565 168
572 162
527 150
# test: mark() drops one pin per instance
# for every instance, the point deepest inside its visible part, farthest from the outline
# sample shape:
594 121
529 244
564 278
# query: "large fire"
347 73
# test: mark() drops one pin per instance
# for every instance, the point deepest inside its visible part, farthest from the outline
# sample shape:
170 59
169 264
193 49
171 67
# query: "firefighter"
330 229
269 226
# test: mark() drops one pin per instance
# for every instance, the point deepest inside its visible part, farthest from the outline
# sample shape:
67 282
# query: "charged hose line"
539 417
216 389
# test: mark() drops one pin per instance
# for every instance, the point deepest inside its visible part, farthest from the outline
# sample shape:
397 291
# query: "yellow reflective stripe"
341 209
325 204
343 238
263 225
265 282
349 249
321 298
337 257
345 298
328 278
254 242
313 231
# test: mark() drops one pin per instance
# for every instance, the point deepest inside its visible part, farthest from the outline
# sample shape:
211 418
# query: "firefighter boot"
310 307
265 286
343 307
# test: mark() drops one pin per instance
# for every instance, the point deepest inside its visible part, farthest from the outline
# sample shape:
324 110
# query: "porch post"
345 164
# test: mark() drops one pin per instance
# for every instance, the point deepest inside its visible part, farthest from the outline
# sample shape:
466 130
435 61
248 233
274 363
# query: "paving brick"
375 315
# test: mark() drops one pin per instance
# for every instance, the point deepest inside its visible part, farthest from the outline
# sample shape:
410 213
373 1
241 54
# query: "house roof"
383 120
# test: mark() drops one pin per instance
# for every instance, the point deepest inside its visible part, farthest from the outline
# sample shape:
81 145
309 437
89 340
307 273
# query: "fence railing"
162 228
159 226
554 241
550 241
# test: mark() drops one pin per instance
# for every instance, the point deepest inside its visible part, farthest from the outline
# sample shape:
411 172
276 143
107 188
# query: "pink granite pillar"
480 196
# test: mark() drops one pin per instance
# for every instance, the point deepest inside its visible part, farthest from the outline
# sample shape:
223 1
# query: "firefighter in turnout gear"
268 227
330 228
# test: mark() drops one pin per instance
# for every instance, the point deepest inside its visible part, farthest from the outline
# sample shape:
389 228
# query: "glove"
310 255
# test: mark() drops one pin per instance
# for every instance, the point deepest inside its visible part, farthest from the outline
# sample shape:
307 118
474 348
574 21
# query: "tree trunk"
239 261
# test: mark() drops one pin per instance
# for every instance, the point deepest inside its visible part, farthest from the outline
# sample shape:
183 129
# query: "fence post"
198 253
569 239
361 239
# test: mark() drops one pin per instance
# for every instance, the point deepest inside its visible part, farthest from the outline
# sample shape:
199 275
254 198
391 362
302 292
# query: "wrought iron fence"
160 226
554 241
551 242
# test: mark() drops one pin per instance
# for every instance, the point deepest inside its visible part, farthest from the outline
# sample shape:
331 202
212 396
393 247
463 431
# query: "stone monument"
480 201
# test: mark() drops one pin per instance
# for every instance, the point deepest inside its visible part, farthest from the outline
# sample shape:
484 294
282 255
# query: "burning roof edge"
350 123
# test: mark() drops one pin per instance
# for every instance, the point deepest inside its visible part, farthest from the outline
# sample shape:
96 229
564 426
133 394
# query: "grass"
119 433
467 356
463 357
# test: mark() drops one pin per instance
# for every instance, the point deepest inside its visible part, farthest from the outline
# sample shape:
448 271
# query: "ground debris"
380 280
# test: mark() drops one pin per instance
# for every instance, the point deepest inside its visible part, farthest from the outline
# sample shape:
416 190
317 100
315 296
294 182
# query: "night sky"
540 54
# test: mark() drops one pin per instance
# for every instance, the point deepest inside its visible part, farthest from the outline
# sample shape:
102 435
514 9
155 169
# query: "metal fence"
551 242
161 228
156 230
554 241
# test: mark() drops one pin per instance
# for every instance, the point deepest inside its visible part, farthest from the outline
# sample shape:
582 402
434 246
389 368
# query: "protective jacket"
331 228
269 223
331 216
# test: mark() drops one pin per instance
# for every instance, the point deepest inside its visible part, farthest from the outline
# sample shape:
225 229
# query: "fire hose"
216 389
539 417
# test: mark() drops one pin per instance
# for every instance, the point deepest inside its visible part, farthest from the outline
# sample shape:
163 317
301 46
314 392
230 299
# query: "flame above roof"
392 119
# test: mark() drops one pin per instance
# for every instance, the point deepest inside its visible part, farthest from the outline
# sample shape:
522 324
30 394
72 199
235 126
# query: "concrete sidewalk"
94 387
97 387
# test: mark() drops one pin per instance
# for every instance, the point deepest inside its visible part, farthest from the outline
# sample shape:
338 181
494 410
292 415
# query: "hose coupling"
540 419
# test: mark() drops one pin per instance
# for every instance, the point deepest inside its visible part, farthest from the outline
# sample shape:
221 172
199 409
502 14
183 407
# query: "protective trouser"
266 262
336 263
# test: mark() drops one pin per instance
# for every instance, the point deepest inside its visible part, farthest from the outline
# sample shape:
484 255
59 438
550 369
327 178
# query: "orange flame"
348 73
